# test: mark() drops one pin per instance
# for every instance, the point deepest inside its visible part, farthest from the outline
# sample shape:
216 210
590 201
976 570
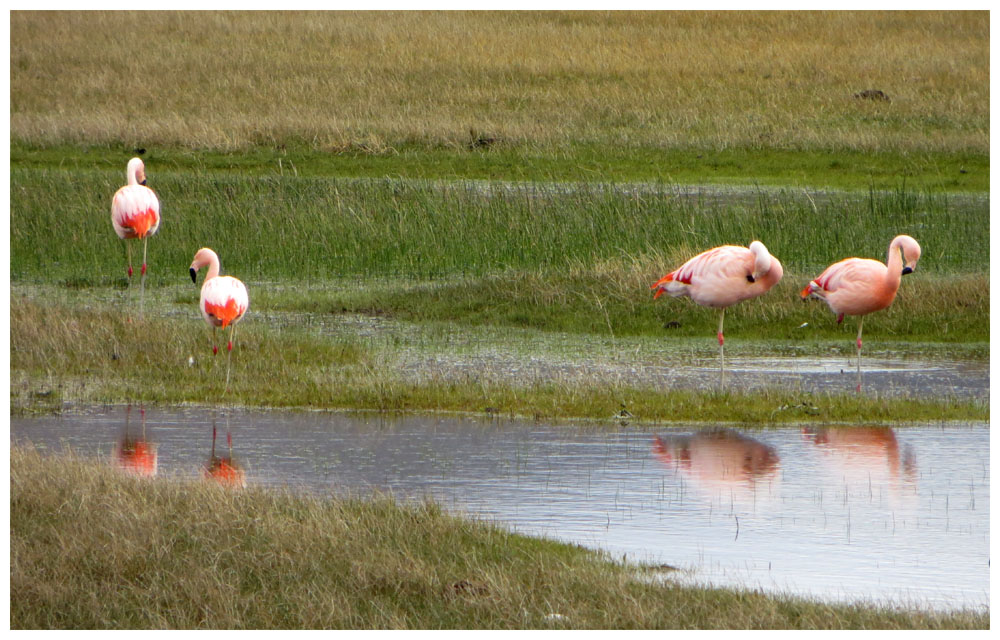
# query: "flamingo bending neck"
205 256
135 172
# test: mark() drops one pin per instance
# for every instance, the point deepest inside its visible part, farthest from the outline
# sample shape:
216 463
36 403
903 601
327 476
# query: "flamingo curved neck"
894 262
206 257
213 268
132 172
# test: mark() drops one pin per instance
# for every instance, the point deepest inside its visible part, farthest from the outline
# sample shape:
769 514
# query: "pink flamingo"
859 286
224 299
721 277
135 213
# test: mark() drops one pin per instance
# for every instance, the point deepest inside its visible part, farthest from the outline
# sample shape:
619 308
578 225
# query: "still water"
875 514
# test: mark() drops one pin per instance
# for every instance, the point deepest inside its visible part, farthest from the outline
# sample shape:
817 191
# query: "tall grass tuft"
303 229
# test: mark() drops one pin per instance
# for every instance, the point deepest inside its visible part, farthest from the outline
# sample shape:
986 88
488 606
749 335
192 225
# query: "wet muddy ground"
519 357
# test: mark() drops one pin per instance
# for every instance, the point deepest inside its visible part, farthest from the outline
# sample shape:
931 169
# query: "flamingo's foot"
129 271
840 318
215 349
858 388
229 347
143 268
859 344
721 338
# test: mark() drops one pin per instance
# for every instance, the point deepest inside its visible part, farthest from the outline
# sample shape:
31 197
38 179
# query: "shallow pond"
850 513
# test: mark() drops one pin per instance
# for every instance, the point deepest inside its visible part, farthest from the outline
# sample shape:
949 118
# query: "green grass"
305 229
616 301
93 548
791 168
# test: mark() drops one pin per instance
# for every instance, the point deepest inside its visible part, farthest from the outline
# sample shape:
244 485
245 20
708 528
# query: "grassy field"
753 97
171 554
377 80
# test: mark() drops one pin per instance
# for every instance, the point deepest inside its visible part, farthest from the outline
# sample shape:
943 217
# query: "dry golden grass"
376 80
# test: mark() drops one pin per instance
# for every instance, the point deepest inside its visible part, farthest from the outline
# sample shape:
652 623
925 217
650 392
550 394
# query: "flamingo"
721 277
135 213
224 299
859 286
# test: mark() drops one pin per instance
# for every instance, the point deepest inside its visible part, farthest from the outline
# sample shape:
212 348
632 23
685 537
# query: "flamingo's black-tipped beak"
143 183
907 270
194 275
750 278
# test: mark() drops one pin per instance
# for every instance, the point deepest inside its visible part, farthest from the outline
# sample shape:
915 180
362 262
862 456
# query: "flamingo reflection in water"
223 469
864 457
722 462
136 455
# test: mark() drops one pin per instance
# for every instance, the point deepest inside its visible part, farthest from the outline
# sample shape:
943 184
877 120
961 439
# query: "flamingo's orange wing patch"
141 222
226 313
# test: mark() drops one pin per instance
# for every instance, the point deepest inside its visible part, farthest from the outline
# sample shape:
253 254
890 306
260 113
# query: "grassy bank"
301 361
91 548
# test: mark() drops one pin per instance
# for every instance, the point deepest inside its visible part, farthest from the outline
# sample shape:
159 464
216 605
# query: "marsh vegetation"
458 173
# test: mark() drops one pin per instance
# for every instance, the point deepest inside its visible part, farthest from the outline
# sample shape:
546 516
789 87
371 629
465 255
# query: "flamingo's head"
762 262
204 257
911 252
136 170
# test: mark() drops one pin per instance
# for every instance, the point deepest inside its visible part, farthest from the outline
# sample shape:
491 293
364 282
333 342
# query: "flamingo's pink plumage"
859 286
721 277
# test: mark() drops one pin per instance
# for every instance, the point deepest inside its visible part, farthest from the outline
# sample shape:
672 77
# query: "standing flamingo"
858 286
135 213
224 299
720 278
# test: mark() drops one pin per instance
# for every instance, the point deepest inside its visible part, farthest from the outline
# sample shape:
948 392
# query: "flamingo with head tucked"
721 277
135 213
224 299
859 286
